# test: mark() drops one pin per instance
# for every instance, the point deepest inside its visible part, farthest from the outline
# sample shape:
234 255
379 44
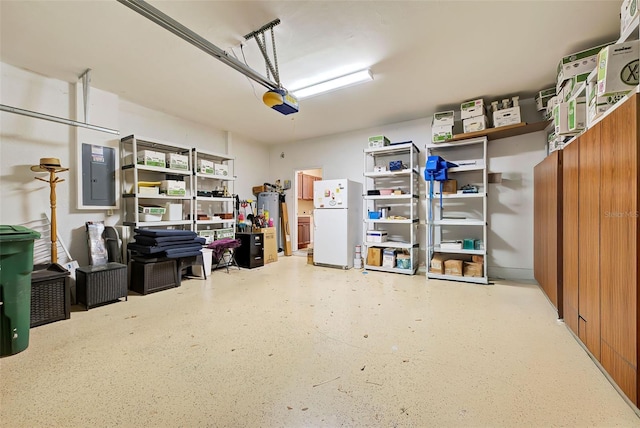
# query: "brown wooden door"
307 187
619 245
589 241
570 239
548 227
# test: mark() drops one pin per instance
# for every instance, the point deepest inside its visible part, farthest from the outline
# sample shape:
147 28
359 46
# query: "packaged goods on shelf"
151 158
150 212
543 97
449 187
173 188
597 105
628 11
436 265
148 188
205 166
443 118
578 63
561 120
477 259
221 169
177 161
173 212
577 114
453 267
504 117
451 245
376 236
441 133
389 258
476 123
374 256
378 141
618 67
472 269
403 261
471 109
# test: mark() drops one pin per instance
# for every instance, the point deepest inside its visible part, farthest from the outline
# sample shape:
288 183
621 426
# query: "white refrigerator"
337 222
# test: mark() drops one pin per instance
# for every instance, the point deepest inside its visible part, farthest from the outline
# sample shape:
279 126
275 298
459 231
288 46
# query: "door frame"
294 224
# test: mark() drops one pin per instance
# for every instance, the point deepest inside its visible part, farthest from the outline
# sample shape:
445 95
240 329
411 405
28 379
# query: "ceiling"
424 55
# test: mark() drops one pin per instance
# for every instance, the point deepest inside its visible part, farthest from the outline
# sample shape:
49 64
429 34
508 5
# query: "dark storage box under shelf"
149 277
50 294
96 285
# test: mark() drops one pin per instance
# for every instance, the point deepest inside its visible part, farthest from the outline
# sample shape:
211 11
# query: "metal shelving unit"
459 216
401 222
133 173
213 194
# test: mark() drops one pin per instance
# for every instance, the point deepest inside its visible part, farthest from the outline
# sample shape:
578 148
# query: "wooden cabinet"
305 186
601 239
570 239
304 232
619 242
547 227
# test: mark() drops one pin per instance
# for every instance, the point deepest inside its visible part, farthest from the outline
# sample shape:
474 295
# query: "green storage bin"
16 265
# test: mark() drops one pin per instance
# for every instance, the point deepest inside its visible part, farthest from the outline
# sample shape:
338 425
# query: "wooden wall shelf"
504 131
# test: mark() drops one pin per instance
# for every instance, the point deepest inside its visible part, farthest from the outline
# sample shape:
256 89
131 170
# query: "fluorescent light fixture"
333 84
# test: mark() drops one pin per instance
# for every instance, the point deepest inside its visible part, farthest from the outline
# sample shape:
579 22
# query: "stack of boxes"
442 126
506 113
457 265
474 116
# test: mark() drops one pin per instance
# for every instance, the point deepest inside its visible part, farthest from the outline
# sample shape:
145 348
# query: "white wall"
510 204
24 140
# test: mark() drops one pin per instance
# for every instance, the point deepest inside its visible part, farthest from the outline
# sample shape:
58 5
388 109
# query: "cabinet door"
570 236
619 245
299 178
589 241
548 227
307 187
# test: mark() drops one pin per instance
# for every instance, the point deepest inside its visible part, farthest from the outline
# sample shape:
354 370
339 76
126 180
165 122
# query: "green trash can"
16 264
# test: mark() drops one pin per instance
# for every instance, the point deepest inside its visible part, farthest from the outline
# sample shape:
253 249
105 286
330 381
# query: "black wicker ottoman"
50 294
149 277
96 285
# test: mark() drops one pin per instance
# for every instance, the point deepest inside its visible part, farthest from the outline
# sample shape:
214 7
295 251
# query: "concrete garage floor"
292 345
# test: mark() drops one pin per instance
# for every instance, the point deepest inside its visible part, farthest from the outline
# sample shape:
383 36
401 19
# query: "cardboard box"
173 212
471 109
453 267
618 67
598 105
449 187
376 236
374 256
477 259
221 169
507 116
578 63
151 209
148 190
403 261
542 98
577 114
151 158
628 11
389 258
205 166
473 124
173 188
437 263
441 133
176 161
443 118
378 141
270 244
472 269
256 190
